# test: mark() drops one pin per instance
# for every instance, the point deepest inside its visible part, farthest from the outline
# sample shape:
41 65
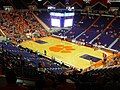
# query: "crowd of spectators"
20 25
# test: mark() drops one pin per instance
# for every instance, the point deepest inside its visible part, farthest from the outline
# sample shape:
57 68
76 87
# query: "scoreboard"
61 19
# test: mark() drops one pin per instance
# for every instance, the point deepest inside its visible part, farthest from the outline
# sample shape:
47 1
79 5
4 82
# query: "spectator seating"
33 59
16 23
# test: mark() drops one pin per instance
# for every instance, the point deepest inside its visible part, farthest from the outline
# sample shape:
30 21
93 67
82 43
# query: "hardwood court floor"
63 51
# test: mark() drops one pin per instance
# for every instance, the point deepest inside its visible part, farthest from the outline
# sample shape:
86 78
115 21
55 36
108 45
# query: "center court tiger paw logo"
62 48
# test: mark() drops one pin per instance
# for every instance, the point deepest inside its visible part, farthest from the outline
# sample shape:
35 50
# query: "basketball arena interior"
59 44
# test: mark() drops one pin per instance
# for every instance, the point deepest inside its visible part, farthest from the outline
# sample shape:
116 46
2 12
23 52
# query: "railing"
2 33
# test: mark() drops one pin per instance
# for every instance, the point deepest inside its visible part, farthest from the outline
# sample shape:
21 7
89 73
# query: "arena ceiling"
41 3
56 1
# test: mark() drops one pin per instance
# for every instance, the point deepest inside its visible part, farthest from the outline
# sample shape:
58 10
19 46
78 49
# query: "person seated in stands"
11 82
41 67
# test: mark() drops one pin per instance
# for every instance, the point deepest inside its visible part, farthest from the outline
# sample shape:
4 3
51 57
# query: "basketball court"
69 53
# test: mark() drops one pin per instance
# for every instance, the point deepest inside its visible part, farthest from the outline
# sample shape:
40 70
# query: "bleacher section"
106 78
95 30
82 25
16 23
31 58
